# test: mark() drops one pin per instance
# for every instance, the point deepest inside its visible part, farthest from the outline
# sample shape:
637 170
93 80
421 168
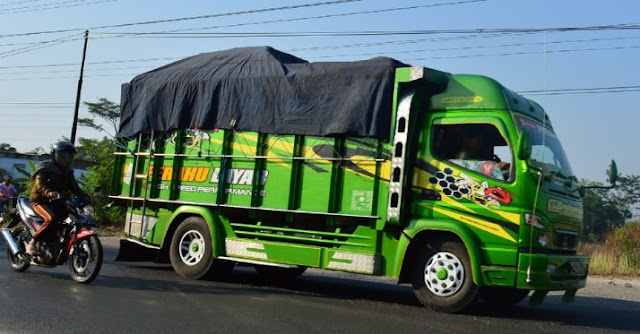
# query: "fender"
469 239
216 227
83 234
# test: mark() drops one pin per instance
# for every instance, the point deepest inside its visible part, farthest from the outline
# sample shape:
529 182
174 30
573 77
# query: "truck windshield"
546 151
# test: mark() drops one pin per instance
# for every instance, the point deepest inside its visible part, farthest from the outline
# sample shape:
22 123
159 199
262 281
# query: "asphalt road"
148 298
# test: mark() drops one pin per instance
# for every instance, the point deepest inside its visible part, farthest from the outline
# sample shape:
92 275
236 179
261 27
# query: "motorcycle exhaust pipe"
13 246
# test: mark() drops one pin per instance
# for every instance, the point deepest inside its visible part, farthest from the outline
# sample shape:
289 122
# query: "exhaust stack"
13 246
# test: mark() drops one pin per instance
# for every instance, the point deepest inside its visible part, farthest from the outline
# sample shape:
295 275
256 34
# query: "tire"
86 260
442 279
191 251
278 274
22 236
497 296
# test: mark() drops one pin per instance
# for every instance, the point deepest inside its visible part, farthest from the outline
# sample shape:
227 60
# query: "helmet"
62 153
63 146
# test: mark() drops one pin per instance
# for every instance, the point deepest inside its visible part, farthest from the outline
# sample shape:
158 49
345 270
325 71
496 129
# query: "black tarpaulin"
265 90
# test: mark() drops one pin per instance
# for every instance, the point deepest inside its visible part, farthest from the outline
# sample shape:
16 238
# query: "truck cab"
490 163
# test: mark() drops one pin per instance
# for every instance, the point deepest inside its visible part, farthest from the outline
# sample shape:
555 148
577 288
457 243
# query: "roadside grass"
618 255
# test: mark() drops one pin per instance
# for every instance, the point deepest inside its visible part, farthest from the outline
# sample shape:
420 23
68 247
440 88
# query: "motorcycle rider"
52 179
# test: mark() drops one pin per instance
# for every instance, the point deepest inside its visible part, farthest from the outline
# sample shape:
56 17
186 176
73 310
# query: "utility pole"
75 114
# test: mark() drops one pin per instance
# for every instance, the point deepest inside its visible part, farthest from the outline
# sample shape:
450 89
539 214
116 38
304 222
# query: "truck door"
465 172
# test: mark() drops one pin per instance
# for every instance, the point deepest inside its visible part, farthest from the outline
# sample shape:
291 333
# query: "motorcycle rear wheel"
15 262
86 260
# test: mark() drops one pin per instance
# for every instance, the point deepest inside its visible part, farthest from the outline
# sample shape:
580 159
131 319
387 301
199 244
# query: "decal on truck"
466 187
233 176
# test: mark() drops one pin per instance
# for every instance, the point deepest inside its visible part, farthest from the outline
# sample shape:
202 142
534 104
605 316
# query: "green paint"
322 201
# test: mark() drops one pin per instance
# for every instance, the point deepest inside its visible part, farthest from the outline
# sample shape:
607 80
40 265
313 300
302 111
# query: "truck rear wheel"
442 279
191 252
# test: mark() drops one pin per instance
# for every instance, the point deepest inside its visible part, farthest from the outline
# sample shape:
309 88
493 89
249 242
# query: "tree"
107 110
101 152
627 193
606 210
38 150
99 176
7 148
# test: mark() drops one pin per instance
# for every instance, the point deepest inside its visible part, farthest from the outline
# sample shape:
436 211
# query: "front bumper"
551 272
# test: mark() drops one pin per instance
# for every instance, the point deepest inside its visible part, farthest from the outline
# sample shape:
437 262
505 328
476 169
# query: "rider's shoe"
31 250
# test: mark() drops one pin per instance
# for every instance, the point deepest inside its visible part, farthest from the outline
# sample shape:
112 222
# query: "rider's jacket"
50 177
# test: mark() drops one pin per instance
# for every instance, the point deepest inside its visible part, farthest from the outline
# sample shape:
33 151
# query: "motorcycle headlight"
88 210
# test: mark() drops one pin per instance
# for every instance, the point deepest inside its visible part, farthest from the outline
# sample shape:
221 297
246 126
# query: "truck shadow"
552 315
592 312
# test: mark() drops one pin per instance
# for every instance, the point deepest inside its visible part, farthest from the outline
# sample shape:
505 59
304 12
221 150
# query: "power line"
470 47
48 6
617 27
44 4
527 53
410 59
36 103
93 63
579 91
412 41
72 77
74 70
349 55
386 10
189 18
406 41
18 2
39 46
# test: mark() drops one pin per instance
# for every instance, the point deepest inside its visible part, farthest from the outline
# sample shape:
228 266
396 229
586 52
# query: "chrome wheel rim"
192 247
444 274
84 258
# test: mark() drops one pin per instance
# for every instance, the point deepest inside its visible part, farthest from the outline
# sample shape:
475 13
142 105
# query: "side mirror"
613 177
613 173
524 146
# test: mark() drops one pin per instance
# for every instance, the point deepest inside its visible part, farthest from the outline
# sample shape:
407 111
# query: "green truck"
468 195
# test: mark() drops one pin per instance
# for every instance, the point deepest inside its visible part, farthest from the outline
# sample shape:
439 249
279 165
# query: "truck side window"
477 147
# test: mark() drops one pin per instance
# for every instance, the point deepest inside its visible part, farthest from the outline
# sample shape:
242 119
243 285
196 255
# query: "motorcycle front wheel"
85 260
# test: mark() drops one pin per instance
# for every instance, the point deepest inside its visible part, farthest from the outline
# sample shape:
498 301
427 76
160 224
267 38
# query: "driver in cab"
476 155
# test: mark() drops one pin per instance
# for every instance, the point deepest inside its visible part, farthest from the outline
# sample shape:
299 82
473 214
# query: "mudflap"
133 251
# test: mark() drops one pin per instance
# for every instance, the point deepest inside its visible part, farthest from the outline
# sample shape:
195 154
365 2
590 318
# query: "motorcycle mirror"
613 173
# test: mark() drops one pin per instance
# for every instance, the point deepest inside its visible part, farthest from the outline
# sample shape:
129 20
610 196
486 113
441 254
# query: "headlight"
543 240
88 210
534 220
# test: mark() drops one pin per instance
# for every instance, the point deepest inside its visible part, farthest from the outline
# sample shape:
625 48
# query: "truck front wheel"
442 279
191 248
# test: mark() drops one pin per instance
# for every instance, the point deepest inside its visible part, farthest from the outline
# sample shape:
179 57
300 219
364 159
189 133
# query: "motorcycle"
73 241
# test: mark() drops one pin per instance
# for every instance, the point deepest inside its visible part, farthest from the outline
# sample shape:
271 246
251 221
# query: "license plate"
578 267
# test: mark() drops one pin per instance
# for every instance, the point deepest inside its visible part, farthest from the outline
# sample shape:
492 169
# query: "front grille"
565 239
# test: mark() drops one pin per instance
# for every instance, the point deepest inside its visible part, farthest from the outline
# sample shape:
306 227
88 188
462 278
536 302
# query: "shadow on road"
594 312
588 312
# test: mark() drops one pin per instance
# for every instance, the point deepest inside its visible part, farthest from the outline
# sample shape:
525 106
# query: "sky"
586 79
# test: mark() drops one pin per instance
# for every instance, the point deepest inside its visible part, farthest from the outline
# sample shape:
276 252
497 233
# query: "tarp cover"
262 89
